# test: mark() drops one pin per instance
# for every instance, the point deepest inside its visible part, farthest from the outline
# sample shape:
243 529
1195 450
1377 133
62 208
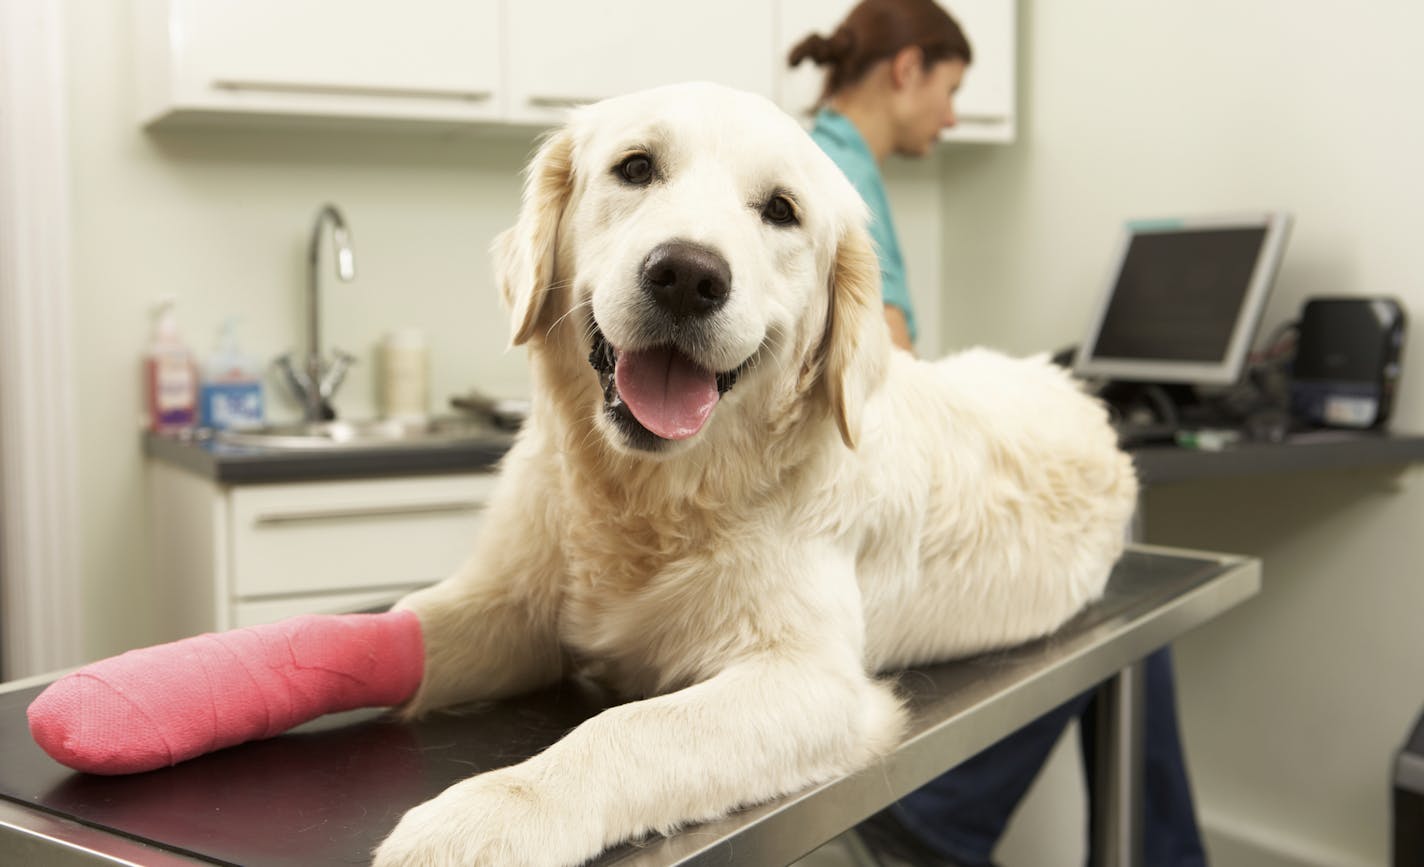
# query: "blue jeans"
961 814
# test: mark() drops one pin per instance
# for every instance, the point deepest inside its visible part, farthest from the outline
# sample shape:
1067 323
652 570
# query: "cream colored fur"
846 510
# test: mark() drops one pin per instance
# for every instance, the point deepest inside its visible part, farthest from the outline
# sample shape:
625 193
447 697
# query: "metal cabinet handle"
540 101
317 89
267 520
983 117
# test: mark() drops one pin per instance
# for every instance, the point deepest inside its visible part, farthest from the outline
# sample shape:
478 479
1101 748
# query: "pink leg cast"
157 706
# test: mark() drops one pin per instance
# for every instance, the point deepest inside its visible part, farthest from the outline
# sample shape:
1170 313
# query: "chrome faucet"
315 382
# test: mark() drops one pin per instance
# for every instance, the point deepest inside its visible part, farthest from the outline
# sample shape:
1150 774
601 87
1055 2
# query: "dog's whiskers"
570 311
591 435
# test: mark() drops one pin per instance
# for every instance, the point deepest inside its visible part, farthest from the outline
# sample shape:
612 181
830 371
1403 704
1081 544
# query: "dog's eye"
778 210
636 169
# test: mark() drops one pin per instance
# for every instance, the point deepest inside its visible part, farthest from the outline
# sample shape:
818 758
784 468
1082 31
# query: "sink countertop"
225 463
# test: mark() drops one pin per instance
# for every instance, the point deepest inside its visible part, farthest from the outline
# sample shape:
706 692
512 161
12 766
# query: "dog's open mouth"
657 391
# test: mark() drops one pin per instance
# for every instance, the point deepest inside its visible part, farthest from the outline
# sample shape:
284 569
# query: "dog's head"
698 248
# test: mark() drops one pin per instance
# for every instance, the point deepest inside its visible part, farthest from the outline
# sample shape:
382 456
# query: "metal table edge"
782 831
33 836
1409 772
34 680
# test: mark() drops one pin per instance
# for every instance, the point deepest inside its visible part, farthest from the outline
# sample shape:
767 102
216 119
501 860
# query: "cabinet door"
985 103
417 58
568 52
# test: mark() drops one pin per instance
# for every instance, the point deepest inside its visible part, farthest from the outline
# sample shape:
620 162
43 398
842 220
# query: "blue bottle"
231 393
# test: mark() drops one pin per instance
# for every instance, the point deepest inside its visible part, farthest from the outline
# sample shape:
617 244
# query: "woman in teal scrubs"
892 69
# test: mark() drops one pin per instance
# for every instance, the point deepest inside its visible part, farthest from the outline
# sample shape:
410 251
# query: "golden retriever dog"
733 501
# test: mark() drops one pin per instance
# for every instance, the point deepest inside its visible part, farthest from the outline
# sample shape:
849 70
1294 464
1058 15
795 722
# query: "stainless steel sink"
375 433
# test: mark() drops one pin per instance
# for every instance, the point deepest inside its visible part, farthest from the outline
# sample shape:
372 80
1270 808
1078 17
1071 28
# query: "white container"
405 375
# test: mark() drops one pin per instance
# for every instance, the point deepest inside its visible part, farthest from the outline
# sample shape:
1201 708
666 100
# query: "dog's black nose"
687 279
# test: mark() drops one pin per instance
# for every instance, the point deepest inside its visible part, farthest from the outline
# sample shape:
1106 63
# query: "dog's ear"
856 345
524 253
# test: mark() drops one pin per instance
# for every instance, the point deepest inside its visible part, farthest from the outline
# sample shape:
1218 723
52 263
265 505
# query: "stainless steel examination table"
327 792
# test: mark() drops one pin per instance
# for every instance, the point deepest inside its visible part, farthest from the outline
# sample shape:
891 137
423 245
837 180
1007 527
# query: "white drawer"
327 537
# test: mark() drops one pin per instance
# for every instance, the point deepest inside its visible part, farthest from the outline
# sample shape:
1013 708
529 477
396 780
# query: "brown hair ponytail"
877 30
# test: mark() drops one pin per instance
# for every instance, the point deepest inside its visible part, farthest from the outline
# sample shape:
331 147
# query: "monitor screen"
1184 299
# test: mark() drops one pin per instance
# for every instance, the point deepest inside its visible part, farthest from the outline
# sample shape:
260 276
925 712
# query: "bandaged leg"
157 706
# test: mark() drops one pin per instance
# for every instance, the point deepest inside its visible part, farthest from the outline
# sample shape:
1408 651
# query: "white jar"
405 364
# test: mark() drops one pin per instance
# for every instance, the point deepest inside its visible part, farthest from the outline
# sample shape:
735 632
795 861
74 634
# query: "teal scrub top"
843 143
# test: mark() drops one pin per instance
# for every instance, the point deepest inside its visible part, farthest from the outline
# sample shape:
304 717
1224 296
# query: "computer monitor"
1184 298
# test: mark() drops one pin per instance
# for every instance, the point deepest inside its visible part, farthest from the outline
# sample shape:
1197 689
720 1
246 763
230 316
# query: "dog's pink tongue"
668 394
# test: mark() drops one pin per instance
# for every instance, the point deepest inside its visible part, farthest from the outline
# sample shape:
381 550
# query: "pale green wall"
1293 705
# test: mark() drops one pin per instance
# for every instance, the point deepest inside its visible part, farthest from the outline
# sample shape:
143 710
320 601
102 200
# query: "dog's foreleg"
761 728
489 629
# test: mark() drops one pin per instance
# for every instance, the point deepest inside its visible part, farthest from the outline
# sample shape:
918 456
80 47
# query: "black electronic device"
1180 308
1183 298
1347 361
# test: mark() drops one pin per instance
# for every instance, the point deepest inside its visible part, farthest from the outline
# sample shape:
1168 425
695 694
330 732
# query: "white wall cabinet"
229 556
986 102
496 63
569 52
431 60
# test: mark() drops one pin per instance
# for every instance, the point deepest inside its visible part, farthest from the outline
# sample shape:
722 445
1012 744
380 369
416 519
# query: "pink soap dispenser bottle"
170 375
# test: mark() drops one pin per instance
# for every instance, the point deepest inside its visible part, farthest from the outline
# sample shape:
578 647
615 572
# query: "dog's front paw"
498 818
